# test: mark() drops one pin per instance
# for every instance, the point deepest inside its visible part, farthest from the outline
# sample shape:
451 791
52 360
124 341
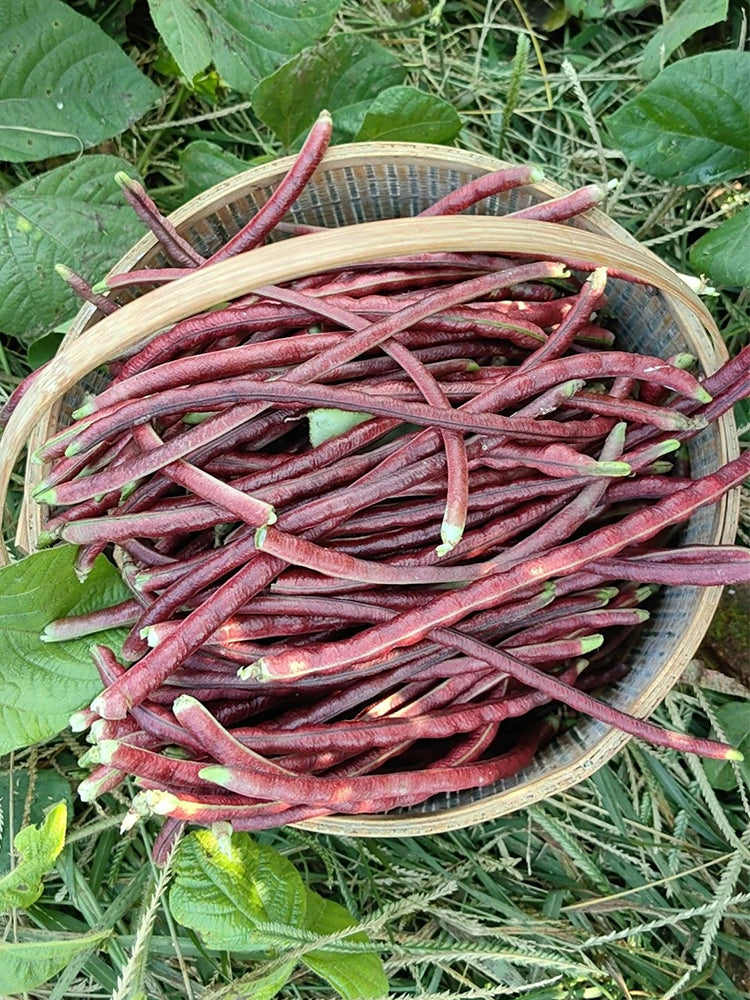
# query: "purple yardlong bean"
84 290
562 560
174 245
588 300
565 207
290 188
124 613
299 552
483 187
354 345
209 367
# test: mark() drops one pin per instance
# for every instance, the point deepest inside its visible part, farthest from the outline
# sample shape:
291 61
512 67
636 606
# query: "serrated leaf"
690 16
724 253
324 423
49 787
184 32
255 987
204 164
72 215
405 114
37 847
249 39
690 125
343 75
42 684
64 84
351 975
27 965
596 9
222 888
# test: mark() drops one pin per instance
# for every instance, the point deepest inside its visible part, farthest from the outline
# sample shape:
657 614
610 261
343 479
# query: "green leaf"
732 718
29 964
724 253
325 424
42 684
351 975
204 164
225 885
222 887
49 787
343 75
255 987
249 39
404 114
742 419
595 9
184 33
42 349
38 847
690 16
64 84
73 215
690 125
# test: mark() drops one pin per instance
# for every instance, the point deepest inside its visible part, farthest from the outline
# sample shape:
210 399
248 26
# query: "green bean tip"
591 642
42 494
106 750
216 773
612 469
79 721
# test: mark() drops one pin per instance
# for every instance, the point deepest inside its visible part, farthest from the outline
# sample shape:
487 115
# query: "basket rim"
713 353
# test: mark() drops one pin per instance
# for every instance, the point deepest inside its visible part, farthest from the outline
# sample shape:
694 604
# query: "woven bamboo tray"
377 181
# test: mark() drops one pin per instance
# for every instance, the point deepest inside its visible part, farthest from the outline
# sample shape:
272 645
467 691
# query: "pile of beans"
382 527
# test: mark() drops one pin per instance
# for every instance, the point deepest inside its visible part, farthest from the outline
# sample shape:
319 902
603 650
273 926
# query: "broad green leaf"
27 965
404 114
250 39
37 847
325 424
64 84
690 16
42 684
280 888
222 887
72 215
43 349
597 9
732 718
343 75
690 125
351 975
204 164
255 987
49 787
724 253
184 33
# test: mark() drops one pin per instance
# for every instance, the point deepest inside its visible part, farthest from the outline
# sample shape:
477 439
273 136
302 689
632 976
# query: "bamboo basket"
359 184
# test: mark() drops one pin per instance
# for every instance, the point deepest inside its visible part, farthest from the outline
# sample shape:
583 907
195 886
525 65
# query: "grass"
632 886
